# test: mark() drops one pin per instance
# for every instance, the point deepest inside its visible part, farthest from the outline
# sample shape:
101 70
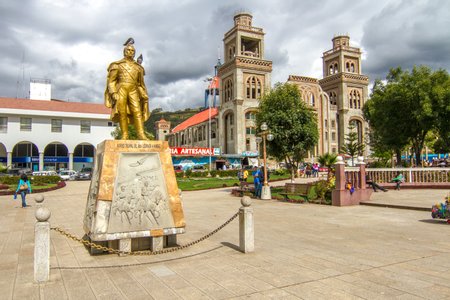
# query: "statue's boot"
139 126
123 122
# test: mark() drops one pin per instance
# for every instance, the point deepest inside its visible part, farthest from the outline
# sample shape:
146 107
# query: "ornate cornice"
349 77
246 63
249 29
296 78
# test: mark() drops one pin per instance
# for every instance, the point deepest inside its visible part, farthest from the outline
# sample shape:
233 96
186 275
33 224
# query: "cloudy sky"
71 42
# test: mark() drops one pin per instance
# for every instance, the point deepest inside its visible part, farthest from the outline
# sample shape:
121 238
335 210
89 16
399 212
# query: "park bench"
296 189
243 187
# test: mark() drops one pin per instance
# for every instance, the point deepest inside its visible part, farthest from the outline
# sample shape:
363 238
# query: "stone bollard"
39 199
42 245
246 226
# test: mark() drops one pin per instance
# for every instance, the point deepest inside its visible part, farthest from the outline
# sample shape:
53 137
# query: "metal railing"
411 175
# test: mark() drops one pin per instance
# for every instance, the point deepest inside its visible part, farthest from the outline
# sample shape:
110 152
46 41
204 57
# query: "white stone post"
42 245
39 199
41 161
246 226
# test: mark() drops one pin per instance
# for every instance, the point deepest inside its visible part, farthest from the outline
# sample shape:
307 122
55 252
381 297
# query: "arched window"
356 126
253 88
251 115
330 70
335 68
311 100
347 67
228 90
333 98
352 67
354 99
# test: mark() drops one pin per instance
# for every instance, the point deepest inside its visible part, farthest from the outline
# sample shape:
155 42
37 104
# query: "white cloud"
72 42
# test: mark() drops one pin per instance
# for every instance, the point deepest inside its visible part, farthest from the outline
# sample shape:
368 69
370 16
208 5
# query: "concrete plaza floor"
303 251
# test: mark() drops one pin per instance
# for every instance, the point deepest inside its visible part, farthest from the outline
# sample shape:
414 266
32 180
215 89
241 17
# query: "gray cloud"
72 42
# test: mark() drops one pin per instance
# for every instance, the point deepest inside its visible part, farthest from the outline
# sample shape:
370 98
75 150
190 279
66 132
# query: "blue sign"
3 159
56 159
83 159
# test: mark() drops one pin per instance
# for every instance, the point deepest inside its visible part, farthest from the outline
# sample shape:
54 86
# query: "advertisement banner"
181 151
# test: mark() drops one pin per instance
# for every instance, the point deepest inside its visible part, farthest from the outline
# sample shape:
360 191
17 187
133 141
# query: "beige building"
244 77
338 98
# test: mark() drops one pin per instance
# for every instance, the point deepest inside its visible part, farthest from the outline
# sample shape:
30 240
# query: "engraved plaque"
140 201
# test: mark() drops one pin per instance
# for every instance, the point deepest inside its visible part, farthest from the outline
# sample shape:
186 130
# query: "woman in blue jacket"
24 187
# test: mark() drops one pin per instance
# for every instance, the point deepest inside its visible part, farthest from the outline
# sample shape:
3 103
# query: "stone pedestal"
265 193
133 194
246 230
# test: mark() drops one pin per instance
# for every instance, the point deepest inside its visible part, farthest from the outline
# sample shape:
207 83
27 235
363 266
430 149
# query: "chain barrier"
145 252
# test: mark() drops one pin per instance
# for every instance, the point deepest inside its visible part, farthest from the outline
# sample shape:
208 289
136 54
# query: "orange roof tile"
54 105
196 119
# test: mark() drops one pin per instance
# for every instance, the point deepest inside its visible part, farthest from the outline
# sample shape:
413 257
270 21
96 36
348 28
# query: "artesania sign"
195 151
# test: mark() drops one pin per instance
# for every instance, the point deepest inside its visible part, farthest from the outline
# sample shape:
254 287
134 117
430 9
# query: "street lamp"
258 143
266 135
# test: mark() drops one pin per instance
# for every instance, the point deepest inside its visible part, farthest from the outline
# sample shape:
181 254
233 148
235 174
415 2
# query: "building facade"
51 135
338 97
245 75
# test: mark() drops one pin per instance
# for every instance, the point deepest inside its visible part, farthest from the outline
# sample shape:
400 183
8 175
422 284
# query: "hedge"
35 180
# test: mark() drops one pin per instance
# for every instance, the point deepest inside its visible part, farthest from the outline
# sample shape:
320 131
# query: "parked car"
198 168
84 174
67 174
45 173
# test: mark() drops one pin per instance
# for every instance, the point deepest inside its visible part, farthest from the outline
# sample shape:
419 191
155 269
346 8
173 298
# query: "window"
326 123
253 87
231 120
56 125
326 135
3 124
250 115
85 126
231 134
333 136
333 124
333 150
250 130
228 90
333 98
112 124
25 124
213 130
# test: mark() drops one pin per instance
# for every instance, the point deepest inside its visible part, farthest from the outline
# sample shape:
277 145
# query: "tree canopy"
402 110
292 123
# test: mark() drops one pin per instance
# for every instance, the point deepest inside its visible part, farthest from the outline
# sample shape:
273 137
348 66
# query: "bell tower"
347 89
244 76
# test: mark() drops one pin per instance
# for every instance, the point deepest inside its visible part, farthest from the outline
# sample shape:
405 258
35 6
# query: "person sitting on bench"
374 185
398 180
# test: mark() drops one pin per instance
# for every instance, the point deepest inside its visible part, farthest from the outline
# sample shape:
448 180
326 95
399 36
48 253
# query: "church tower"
162 128
347 89
244 76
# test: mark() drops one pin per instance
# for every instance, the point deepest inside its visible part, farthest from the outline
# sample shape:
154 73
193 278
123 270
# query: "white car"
67 174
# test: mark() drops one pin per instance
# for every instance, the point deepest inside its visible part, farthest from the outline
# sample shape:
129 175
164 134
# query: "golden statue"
126 93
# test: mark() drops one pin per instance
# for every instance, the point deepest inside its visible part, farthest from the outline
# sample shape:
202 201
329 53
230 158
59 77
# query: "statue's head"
129 51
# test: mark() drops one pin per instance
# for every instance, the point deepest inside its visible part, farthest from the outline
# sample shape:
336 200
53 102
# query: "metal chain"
145 252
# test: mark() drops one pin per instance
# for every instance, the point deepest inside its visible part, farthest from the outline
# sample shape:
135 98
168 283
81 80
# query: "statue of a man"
126 93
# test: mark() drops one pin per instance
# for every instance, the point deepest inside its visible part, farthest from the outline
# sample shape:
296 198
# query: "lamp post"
266 135
258 143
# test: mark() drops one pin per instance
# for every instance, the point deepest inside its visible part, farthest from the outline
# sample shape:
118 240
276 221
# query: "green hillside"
174 117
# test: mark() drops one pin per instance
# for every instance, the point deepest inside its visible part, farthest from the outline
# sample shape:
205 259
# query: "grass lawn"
201 183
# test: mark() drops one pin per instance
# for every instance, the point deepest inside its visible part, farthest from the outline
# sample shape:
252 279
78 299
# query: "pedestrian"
374 185
308 171
245 176
398 180
24 187
257 183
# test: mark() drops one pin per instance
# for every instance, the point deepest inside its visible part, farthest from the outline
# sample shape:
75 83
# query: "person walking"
245 176
257 183
24 187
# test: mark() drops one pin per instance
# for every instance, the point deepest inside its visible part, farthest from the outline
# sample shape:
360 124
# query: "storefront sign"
250 153
195 151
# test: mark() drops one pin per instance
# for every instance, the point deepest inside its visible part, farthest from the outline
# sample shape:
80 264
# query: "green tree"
404 109
352 146
327 160
132 135
292 123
